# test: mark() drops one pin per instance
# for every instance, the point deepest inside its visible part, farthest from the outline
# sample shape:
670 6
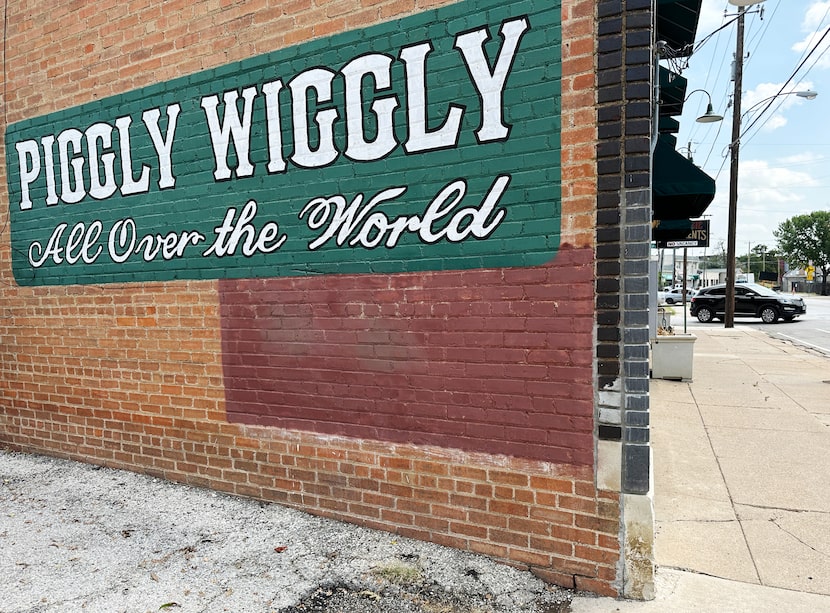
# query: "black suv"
751 300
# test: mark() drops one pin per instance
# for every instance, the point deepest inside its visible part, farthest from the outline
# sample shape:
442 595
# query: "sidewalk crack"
726 486
785 531
785 509
699 521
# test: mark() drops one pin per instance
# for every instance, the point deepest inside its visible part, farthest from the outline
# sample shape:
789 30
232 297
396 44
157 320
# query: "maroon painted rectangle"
490 360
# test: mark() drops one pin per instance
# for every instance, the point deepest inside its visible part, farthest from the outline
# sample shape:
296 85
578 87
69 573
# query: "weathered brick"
329 378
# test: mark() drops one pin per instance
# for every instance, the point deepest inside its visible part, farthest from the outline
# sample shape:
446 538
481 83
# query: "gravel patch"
76 537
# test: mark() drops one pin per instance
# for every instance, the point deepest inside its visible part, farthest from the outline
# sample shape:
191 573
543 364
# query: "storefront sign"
688 233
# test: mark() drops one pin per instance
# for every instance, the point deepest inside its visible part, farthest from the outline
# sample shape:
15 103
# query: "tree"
717 259
805 239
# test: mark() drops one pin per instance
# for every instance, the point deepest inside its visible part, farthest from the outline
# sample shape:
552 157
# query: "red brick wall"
494 360
470 393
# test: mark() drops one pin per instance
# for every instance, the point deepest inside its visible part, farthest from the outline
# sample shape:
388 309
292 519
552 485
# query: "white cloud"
816 16
814 26
763 182
802 159
768 194
711 17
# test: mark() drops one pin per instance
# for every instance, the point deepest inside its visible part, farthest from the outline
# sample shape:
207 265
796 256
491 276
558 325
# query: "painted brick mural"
337 254
430 142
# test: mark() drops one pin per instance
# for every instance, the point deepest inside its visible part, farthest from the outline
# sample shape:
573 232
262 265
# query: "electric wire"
802 60
756 38
713 74
814 34
787 82
779 99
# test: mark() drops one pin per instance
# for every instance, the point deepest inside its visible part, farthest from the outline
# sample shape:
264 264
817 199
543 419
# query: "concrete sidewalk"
742 480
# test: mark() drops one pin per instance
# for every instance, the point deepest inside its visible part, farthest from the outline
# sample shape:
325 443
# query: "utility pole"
729 311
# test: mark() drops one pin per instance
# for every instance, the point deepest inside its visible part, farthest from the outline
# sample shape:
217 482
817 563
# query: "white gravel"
76 537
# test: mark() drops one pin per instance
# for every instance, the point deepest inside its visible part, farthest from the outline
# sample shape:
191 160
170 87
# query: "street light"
734 147
807 94
709 116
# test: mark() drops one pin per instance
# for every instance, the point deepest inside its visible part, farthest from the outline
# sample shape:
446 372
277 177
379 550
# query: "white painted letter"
420 138
47 143
231 126
129 185
319 80
276 162
490 85
357 147
71 193
94 133
163 145
29 170
121 242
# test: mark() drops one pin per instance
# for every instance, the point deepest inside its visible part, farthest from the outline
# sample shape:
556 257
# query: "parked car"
751 300
670 295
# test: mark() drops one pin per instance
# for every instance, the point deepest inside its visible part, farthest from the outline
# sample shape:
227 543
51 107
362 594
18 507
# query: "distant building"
795 280
712 276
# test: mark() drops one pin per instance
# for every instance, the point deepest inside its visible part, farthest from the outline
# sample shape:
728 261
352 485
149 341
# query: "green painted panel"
428 143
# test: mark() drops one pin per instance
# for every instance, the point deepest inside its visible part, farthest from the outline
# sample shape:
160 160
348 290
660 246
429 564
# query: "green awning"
680 190
677 23
668 125
672 93
668 140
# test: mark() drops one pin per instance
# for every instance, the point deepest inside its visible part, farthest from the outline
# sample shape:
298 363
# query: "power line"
757 40
787 82
818 27
804 57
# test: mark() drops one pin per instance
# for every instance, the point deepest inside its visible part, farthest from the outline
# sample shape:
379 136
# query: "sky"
784 153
